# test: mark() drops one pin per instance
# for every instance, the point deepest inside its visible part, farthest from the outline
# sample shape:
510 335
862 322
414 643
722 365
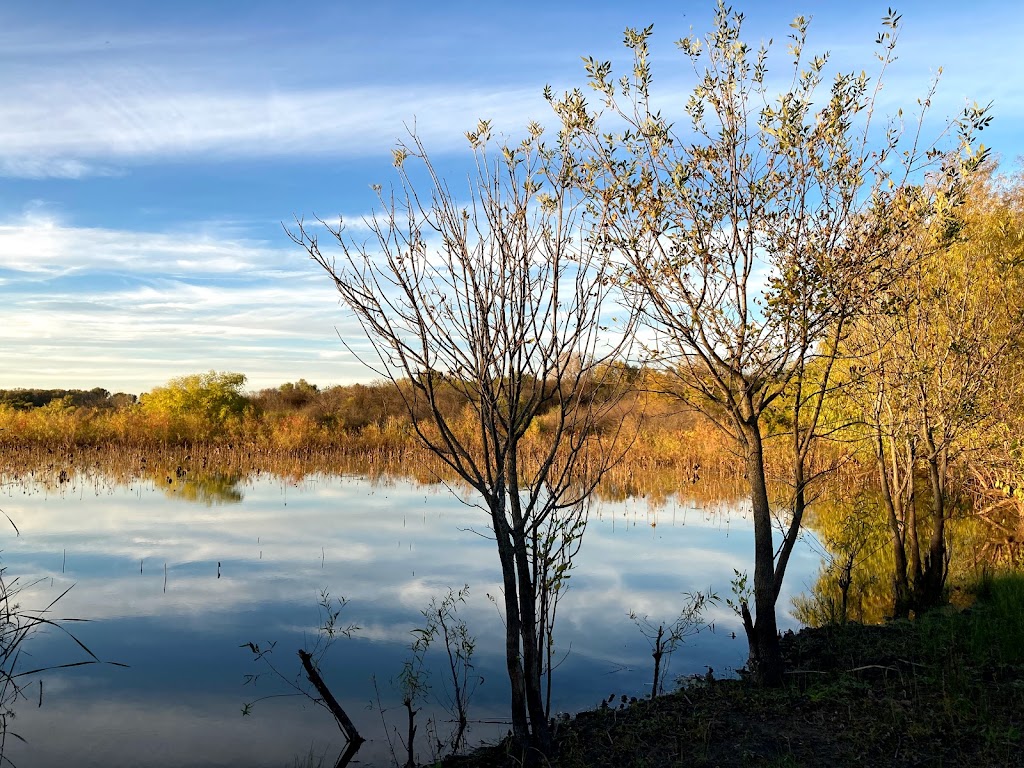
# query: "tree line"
24 399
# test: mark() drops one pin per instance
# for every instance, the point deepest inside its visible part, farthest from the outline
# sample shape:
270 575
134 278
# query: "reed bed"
670 451
647 469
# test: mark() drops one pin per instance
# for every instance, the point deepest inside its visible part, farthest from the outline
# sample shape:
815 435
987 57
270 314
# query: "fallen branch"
344 723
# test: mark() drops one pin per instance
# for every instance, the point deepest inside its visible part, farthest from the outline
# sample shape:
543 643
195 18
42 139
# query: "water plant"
18 624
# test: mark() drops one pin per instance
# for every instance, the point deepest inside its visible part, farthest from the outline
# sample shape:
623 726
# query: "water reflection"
175 582
856 577
208 489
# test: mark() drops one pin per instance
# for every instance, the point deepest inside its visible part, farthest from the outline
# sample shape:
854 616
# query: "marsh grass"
311 759
297 431
653 469
116 463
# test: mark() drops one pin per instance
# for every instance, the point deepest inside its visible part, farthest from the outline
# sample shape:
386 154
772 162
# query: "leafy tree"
938 376
751 236
123 400
24 399
290 396
210 398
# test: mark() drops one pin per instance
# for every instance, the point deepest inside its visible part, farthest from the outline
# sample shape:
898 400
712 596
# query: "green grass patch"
996 621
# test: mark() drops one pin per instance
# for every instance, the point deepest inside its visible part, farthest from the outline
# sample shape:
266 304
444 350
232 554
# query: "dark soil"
902 694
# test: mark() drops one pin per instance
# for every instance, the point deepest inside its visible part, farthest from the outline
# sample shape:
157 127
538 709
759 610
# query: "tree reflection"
856 572
856 580
208 488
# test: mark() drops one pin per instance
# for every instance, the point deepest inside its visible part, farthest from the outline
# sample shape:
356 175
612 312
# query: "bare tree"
752 238
502 299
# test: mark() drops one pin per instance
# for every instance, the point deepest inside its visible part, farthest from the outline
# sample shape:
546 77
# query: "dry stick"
347 755
657 653
344 723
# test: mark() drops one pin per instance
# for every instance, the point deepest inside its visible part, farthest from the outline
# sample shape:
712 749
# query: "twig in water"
344 723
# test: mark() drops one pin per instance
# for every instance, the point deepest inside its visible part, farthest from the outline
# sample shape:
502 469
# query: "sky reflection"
249 564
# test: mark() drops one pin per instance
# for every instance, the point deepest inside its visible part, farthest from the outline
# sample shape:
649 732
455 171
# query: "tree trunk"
532 656
765 653
513 630
793 532
901 601
933 574
910 515
540 740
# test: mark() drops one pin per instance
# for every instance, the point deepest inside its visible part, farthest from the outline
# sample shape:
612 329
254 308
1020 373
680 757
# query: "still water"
175 577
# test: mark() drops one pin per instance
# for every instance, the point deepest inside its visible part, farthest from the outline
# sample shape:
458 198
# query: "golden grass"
672 450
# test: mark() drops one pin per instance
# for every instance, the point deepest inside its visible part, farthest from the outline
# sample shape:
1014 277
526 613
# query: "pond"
176 577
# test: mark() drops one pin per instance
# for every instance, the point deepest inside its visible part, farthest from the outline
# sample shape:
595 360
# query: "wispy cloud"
80 302
83 126
42 243
71 119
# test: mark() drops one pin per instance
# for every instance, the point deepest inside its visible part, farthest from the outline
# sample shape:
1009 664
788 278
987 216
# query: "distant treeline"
214 406
352 407
97 397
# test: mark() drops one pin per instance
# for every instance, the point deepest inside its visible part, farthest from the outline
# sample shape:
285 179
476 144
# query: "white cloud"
49 168
40 243
81 102
87 306
74 126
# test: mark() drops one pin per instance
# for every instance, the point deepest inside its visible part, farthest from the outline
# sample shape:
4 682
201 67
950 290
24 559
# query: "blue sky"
150 151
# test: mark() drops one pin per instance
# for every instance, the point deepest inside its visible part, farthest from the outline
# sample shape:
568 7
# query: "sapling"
665 638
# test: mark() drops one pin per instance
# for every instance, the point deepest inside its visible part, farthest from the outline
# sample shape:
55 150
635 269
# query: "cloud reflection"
387 546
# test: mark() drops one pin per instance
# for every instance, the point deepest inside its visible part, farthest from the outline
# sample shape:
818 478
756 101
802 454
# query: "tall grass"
18 670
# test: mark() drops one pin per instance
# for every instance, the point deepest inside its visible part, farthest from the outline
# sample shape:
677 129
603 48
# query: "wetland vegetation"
822 322
899 693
